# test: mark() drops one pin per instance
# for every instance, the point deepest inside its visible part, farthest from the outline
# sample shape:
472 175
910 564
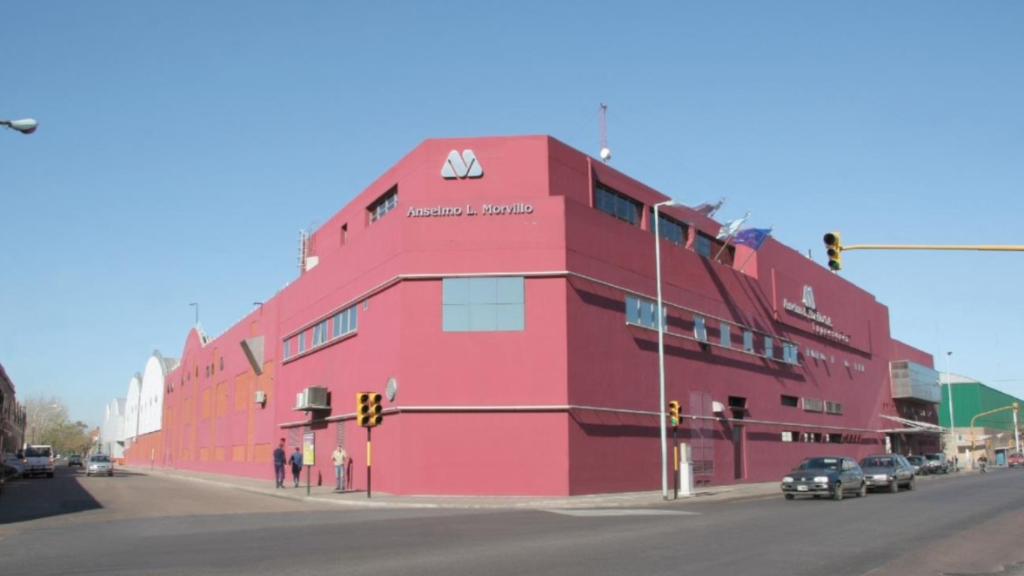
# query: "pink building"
501 293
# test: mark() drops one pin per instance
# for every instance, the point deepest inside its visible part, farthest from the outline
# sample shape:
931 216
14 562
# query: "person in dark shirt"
279 461
296 460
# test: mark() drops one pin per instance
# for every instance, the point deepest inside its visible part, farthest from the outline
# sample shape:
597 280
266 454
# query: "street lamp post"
952 427
196 304
25 125
661 350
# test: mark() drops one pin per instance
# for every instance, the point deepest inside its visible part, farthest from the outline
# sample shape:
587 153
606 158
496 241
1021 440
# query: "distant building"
12 416
112 429
992 434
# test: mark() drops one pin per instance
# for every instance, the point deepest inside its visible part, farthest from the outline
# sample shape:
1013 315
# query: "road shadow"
28 499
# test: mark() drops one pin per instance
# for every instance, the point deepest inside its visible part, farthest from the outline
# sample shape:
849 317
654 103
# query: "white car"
99 464
13 466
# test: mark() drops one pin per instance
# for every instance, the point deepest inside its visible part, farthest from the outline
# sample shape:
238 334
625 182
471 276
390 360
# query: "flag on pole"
751 237
708 208
731 227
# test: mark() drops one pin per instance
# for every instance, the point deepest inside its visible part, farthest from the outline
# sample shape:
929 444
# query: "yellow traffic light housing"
673 412
368 409
834 249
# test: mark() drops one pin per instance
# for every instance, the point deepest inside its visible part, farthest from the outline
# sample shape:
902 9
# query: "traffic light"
368 409
834 249
673 412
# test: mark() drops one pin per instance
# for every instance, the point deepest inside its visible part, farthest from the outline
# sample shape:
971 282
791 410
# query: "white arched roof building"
112 429
151 396
131 407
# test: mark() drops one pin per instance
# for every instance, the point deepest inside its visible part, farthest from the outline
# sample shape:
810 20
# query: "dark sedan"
920 464
889 471
833 476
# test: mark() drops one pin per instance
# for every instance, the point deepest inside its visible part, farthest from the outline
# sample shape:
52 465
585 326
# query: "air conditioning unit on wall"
261 397
312 398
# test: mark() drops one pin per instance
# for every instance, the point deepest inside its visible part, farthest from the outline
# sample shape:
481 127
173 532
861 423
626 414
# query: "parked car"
12 466
833 476
100 464
1015 459
920 464
937 463
888 471
75 460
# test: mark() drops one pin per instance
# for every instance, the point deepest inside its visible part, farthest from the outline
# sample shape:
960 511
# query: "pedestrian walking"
280 459
340 458
296 460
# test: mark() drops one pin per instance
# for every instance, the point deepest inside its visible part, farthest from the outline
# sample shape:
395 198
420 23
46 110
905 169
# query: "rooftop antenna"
606 154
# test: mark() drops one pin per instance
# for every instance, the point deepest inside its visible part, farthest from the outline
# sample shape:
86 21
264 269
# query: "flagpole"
725 244
751 255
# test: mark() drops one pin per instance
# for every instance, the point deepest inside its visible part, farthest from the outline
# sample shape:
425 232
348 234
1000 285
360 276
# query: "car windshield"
877 463
35 452
99 459
820 464
935 457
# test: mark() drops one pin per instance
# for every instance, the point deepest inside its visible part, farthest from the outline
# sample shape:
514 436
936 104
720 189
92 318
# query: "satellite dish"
606 154
390 389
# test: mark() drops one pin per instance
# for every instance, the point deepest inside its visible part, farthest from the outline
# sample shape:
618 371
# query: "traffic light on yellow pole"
368 409
834 249
673 413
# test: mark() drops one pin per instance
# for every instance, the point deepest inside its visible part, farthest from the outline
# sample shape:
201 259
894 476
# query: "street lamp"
949 388
25 125
661 349
196 304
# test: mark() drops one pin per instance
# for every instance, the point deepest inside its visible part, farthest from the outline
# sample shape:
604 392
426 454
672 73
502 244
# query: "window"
483 304
790 353
787 436
768 351
700 331
222 364
383 205
738 406
343 322
833 408
287 348
302 342
703 245
792 401
615 204
748 341
724 335
642 312
669 228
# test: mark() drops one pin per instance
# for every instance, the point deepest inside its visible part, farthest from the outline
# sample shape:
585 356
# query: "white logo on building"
809 297
461 166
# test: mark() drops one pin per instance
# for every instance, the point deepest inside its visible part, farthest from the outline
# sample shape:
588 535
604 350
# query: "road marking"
622 512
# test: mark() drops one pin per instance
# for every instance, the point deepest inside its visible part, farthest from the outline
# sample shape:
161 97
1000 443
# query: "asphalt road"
137 524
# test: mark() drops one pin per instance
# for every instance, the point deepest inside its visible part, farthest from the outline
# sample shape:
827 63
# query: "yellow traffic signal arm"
976 416
986 247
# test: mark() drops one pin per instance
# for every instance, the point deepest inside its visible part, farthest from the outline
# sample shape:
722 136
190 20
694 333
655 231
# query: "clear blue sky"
175 135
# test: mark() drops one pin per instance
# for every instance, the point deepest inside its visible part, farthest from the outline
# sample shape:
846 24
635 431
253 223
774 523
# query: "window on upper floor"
384 204
483 304
669 228
616 204
642 312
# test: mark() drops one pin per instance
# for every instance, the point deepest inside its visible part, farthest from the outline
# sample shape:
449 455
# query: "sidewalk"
327 494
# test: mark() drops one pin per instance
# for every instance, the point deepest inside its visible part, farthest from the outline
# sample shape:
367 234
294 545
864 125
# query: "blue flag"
751 237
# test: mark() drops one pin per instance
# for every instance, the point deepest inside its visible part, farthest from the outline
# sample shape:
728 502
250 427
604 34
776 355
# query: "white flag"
730 228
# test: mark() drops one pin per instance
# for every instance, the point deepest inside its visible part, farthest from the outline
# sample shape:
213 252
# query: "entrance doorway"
738 443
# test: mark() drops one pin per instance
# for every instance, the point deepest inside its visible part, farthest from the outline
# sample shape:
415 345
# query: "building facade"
12 417
112 430
501 294
985 423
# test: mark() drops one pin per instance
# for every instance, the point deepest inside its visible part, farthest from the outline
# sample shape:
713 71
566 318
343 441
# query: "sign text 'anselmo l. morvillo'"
470 210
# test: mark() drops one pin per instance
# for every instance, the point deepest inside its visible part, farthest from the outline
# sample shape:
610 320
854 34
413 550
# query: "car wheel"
88 474
894 486
863 490
789 496
837 493
910 485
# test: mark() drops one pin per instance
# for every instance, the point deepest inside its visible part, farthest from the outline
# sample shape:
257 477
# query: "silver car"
99 464
889 471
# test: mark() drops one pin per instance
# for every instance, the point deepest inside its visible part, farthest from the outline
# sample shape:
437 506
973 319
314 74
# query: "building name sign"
470 210
821 323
